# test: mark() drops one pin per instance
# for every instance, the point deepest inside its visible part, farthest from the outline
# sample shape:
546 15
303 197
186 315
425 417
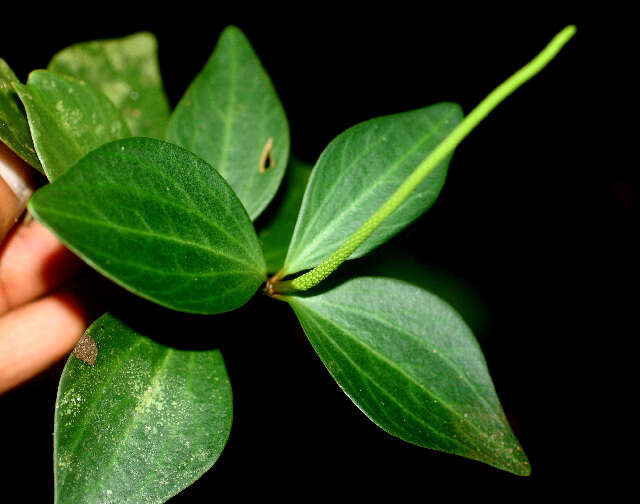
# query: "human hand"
44 307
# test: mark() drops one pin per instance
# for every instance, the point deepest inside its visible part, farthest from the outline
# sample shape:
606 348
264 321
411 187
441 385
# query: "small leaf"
159 221
409 362
231 116
357 173
126 70
14 129
141 424
276 232
68 119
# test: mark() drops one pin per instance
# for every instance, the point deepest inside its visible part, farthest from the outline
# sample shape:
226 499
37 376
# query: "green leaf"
358 171
229 115
410 363
278 226
68 119
396 261
141 424
14 129
126 70
159 221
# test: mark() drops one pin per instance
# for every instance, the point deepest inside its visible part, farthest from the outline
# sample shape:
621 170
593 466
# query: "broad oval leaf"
14 129
410 363
280 219
231 116
357 173
68 119
126 70
142 423
159 221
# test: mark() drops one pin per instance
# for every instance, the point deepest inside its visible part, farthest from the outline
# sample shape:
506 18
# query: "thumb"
16 186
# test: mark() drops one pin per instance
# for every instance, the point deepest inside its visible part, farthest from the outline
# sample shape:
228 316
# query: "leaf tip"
232 31
521 466
513 460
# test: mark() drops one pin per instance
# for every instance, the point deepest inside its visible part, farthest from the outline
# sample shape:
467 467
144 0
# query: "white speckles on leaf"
149 422
68 119
117 91
126 71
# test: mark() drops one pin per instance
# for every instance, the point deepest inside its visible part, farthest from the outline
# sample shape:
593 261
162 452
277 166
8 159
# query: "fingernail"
17 175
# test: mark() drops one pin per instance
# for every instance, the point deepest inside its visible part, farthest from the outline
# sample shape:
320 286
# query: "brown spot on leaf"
86 349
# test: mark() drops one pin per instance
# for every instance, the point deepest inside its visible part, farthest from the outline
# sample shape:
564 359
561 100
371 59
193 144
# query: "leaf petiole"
329 265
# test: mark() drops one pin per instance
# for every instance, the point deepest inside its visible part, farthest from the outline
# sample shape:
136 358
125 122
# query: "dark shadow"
185 331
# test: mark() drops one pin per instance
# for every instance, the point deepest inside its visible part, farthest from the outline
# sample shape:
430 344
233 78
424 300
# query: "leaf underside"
14 129
410 363
231 116
141 424
358 171
126 70
68 119
159 221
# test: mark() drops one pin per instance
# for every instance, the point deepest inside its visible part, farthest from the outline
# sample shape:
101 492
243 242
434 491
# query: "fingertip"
37 335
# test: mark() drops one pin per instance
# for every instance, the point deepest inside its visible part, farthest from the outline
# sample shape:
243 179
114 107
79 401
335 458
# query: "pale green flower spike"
324 269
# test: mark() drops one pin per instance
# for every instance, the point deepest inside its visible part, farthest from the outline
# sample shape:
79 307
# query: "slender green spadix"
328 266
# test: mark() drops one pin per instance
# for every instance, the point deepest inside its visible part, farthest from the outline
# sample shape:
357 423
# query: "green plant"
148 419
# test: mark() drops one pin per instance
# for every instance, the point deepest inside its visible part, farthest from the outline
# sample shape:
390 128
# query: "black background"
534 216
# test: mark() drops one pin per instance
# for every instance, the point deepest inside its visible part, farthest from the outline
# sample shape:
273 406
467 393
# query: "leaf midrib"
228 125
409 377
416 338
96 396
386 175
344 172
195 208
117 227
151 389
363 372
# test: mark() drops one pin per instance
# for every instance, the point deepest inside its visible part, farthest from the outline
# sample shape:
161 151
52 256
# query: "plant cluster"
176 195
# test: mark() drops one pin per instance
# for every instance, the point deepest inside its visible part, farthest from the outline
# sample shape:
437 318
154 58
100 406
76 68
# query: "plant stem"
324 269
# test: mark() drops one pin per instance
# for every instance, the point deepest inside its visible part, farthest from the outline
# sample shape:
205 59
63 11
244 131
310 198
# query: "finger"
17 182
32 263
37 335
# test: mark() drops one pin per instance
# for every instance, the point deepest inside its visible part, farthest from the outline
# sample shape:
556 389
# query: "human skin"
44 307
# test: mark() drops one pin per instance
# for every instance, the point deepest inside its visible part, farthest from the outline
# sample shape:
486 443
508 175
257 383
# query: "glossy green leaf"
231 116
159 221
14 129
280 219
126 70
357 173
141 424
68 119
410 363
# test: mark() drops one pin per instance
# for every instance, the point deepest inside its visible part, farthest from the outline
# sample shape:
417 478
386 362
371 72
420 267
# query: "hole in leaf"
266 159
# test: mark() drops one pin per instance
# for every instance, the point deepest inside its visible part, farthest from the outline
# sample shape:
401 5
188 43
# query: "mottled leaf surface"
68 119
357 173
229 115
14 129
276 230
126 70
159 221
140 425
410 363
